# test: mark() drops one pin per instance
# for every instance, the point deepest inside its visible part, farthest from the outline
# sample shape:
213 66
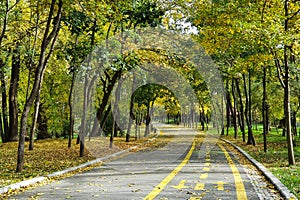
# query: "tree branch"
56 22
279 69
4 22
9 9
293 15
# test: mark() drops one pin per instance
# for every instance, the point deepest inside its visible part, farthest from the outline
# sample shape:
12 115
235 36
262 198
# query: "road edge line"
283 190
239 185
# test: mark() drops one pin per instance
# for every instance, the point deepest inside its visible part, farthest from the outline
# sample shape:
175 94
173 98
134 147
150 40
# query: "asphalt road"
185 168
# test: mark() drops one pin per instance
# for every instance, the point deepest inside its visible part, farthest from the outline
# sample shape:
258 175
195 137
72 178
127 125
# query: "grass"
276 158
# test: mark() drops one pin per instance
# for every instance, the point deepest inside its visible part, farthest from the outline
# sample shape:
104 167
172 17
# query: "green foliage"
144 13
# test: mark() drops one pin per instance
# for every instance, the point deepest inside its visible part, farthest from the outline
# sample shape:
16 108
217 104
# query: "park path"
191 166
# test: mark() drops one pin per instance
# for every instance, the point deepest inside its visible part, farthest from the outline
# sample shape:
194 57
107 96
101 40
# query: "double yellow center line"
240 189
165 182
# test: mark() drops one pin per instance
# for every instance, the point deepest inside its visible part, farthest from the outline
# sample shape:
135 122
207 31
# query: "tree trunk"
116 111
222 117
241 110
287 106
36 115
4 103
148 120
83 119
130 122
202 120
49 37
131 114
13 96
234 109
71 117
248 111
4 123
42 121
265 110
107 92
111 139
229 110
288 115
1 129
105 117
294 122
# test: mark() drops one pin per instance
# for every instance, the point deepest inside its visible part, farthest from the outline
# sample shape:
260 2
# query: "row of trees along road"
43 43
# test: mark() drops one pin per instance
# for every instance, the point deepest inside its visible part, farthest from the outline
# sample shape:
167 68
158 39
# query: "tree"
7 8
13 96
287 91
79 24
49 38
146 96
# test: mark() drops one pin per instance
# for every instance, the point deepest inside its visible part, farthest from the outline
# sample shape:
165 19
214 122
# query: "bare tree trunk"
294 123
234 109
34 120
248 111
83 119
13 96
111 139
107 89
49 37
288 116
287 106
265 110
4 123
116 110
1 129
105 117
241 110
131 115
71 117
148 120
4 103
222 116
229 109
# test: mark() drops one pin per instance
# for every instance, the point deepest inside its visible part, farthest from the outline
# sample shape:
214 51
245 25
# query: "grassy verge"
276 158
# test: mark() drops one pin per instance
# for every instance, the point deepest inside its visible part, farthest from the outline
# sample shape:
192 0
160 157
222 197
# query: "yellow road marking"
207 164
181 185
204 176
165 182
220 185
195 198
199 186
206 169
239 185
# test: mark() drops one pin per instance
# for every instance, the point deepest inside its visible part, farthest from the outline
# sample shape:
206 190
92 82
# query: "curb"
283 190
39 179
